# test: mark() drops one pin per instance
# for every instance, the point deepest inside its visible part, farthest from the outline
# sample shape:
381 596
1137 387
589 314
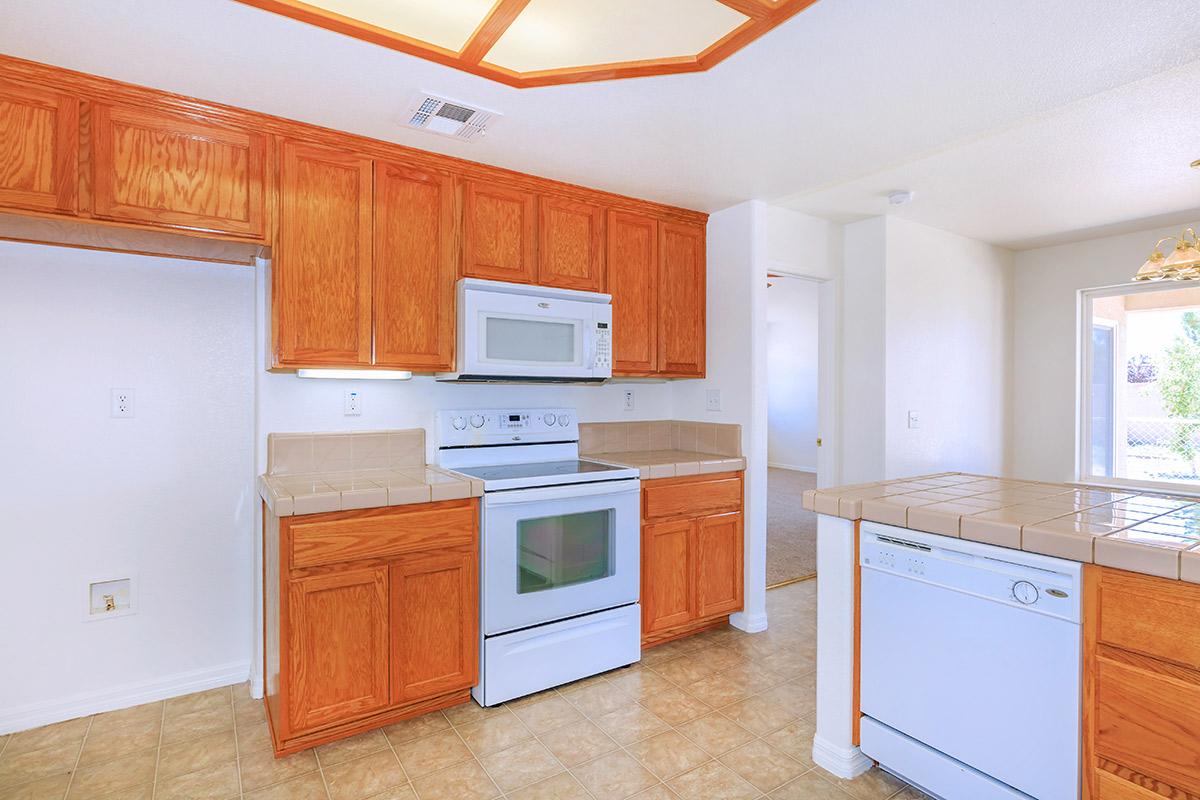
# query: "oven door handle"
568 492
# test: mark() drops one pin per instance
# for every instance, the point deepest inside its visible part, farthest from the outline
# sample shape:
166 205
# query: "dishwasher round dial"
1025 592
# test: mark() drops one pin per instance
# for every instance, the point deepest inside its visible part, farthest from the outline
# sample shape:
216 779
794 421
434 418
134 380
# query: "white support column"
832 747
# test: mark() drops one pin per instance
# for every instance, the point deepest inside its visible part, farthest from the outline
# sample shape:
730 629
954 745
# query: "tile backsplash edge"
724 439
303 453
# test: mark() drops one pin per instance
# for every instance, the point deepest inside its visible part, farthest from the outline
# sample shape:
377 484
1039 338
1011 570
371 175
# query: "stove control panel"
475 427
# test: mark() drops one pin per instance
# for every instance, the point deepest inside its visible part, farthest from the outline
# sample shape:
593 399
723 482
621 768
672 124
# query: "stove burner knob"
548 419
459 423
563 419
476 421
1025 592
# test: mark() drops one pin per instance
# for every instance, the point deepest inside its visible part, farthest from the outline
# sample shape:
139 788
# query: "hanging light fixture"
1183 264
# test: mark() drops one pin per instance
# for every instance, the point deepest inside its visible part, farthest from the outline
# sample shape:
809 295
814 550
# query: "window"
1140 389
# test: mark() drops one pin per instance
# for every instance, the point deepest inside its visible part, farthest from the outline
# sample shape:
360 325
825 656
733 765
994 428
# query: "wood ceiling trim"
503 14
764 16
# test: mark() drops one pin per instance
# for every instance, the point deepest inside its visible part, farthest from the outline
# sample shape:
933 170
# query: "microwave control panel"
603 345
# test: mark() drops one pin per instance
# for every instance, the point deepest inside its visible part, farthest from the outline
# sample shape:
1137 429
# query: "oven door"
555 552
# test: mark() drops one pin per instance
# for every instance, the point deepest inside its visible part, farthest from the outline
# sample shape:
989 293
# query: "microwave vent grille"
453 118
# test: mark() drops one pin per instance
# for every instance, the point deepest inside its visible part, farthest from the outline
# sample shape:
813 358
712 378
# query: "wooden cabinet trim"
335 541
632 274
483 232
586 249
54 173
683 497
682 300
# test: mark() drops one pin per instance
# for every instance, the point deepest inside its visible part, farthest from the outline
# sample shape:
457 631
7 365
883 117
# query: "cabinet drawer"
691 498
1149 615
350 536
1114 787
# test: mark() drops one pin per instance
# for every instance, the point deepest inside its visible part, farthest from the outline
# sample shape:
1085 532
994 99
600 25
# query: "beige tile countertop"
665 448
1147 532
311 473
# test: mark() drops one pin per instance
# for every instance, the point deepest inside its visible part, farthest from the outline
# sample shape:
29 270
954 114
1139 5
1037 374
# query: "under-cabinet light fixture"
357 374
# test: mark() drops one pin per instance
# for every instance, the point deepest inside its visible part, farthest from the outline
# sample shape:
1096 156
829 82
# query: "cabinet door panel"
167 169
39 148
435 624
718 564
632 264
338 645
414 268
321 276
571 245
681 293
667 569
499 229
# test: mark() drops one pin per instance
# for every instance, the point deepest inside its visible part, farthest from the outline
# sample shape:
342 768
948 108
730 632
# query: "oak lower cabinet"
692 554
370 617
1141 696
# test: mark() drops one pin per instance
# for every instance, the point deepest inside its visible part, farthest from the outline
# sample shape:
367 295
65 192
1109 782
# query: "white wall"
863 350
1046 287
792 373
166 496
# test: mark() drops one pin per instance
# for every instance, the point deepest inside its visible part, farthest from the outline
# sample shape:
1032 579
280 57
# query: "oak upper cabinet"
414 268
499 232
632 264
570 244
39 148
157 168
321 271
435 643
667 587
338 635
681 305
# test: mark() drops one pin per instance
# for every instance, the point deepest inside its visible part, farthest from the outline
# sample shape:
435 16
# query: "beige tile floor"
719 716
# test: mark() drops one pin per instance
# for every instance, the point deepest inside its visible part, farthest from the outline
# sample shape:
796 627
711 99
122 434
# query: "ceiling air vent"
449 117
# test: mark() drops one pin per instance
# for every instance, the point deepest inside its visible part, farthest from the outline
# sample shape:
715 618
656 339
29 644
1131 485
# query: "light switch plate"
914 419
712 399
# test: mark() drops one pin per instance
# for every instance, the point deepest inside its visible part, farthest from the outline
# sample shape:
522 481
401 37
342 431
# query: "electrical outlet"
712 399
914 419
353 404
121 403
629 400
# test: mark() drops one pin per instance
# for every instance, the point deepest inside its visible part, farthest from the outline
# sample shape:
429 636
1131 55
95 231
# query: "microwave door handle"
589 345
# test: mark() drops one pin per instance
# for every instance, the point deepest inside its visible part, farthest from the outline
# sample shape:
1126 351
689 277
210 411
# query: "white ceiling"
1016 122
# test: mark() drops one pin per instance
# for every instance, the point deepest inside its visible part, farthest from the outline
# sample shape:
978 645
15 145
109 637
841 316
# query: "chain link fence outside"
1151 451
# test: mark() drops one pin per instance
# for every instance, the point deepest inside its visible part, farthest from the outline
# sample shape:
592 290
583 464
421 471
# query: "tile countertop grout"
1140 531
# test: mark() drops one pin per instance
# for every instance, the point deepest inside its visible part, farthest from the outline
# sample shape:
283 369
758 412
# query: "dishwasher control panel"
1024 580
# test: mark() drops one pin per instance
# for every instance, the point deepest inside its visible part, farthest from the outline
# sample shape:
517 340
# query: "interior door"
338 646
681 300
632 263
667 569
39 148
414 271
499 230
435 623
718 564
571 246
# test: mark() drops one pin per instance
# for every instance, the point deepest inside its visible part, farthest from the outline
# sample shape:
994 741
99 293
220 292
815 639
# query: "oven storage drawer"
332 539
691 499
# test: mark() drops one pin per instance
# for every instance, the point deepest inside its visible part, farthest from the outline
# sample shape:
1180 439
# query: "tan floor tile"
759 715
685 669
789 662
250 713
809 786
599 699
579 742
199 701
254 738
721 658
195 724
261 768
718 690
874 784
189 756
431 753
470 711
712 781
526 763
108 740
416 727
630 724
675 706
614 776
120 773
639 683
349 749
211 783
364 777
794 739
793 698
52 788
668 754
547 714
465 781
304 787
143 792
532 699
762 765
18 768
716 734
61 734
657 792
396 793
495 733
562 786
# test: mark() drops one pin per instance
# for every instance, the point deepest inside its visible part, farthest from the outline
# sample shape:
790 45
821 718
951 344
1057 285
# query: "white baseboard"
791 467
844 762
750 623
46 712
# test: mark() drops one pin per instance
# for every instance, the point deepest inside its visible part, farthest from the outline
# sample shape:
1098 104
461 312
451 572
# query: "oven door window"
564 550
531 341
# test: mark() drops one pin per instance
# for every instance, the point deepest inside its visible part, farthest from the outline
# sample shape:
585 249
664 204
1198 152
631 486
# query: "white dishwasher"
970 654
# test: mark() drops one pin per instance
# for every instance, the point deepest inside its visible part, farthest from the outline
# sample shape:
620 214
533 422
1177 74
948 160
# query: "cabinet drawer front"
1115 787
382 535
692 499
1149 721
1149 615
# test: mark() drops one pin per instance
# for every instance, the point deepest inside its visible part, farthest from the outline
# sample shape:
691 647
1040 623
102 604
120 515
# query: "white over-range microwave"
512 332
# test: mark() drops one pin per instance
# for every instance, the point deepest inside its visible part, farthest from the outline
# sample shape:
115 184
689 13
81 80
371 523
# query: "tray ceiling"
527 43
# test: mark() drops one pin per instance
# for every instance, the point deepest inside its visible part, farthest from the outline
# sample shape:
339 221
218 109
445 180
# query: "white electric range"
560 570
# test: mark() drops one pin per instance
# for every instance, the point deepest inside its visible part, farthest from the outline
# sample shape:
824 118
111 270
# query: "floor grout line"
78 756
237 750
162 724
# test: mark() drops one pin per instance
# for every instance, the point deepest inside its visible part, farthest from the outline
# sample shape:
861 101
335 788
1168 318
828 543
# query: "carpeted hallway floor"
791 531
